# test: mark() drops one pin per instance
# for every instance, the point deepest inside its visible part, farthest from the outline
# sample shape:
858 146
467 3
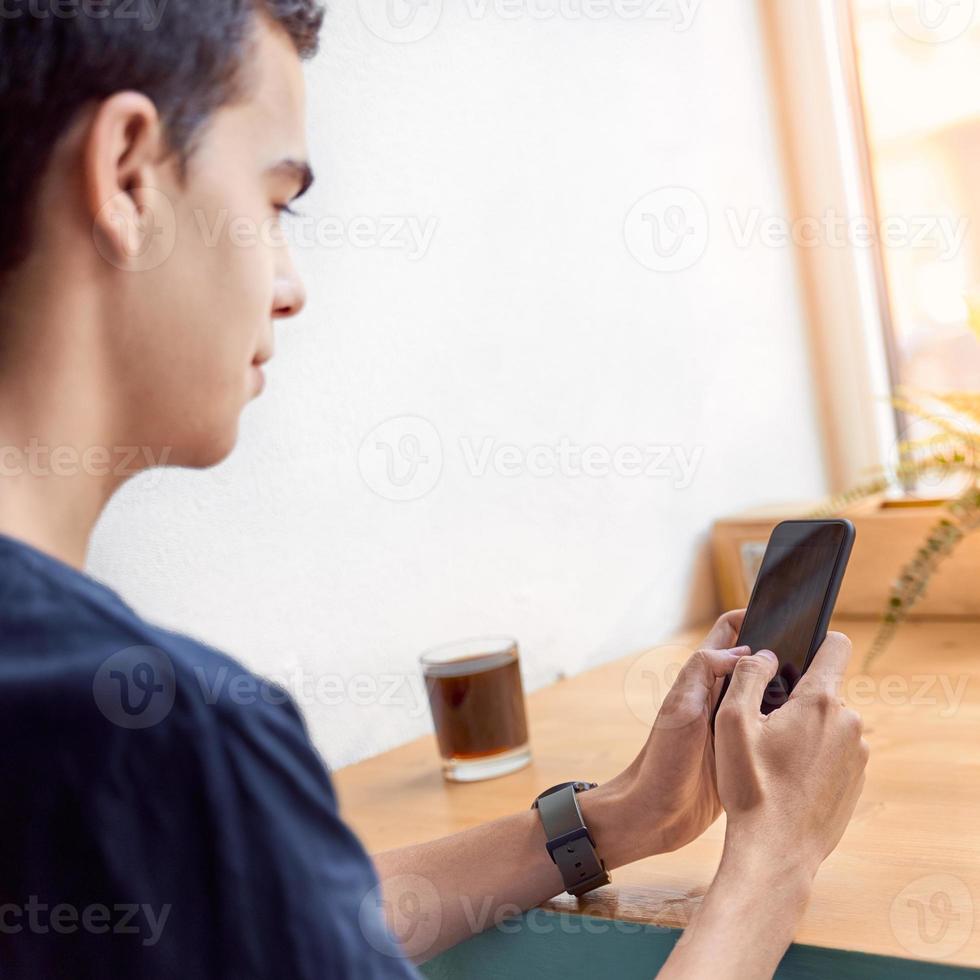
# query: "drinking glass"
477 701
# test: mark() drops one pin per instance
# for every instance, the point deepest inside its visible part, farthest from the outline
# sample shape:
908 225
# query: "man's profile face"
193 314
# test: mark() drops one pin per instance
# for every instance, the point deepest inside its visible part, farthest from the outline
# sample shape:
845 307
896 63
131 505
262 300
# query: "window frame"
814 78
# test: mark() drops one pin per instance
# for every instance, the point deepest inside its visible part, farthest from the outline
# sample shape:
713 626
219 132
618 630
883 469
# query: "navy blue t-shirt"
163 812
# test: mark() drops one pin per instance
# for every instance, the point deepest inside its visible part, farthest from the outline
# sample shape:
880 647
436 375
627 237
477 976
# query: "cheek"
202 316
227 285
241 292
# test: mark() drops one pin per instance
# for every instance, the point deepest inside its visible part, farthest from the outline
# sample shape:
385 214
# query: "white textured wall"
526 321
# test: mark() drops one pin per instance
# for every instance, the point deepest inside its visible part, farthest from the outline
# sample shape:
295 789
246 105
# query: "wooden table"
904 882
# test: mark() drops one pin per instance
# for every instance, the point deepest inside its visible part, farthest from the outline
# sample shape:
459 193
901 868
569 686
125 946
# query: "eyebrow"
299 170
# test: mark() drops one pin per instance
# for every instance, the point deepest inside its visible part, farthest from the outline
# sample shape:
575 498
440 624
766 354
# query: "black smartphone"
793 599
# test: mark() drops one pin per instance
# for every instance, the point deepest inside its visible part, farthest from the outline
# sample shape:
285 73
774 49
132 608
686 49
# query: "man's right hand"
789 780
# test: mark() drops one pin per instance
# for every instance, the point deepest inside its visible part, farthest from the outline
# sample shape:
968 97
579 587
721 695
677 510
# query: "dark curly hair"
58 55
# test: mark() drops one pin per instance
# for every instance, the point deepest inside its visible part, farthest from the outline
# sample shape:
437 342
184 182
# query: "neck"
58 458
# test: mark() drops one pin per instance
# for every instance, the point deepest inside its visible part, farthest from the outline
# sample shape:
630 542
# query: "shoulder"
82 669
152 674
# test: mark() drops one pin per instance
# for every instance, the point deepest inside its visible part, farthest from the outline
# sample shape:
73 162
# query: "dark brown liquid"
477 706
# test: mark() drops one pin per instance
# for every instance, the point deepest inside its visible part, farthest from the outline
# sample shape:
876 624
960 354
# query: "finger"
719 687
749 680
690 696
702 670
716 690
826 673
725 631
704 667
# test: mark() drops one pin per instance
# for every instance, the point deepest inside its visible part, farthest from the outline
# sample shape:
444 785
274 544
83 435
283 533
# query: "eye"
286 209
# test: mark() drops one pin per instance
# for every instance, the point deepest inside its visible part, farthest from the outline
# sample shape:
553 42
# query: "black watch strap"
569 842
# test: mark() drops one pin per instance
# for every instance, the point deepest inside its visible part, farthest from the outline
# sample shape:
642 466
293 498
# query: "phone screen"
798 579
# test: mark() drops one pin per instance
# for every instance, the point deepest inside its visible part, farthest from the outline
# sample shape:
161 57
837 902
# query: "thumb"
749 681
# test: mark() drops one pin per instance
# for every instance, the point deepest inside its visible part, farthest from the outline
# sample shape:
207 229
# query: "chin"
202 453
220 451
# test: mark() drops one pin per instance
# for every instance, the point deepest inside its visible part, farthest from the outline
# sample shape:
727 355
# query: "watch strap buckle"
573 835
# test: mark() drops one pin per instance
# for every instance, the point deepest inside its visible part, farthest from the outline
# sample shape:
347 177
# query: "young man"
150 829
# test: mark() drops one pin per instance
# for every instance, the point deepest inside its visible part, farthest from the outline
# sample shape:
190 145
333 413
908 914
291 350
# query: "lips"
262 356
259 376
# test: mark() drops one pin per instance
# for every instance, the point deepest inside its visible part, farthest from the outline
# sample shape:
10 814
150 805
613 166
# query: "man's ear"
133 222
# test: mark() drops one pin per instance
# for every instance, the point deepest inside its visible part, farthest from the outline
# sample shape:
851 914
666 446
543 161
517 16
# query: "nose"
290 294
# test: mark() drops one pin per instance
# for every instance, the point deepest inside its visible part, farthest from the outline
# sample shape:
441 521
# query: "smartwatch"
569 842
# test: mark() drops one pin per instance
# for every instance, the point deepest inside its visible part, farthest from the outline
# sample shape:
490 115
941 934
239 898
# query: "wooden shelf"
889 533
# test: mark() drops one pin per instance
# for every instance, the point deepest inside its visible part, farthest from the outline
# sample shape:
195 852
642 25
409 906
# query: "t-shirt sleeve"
214 839
296 874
